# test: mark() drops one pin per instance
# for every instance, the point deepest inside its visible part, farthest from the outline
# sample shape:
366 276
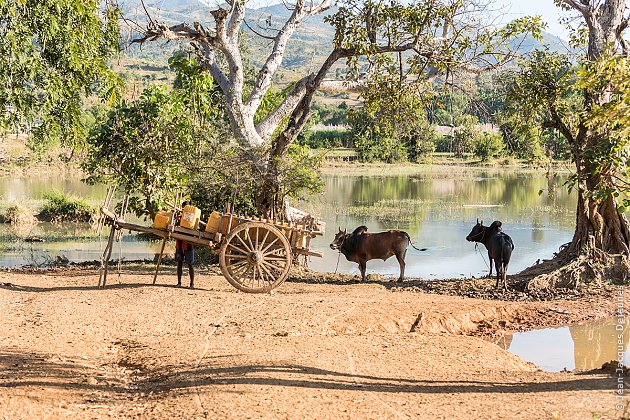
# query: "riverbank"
443 166
320 345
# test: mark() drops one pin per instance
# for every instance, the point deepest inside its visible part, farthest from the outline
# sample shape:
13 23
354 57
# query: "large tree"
586 101
419 40
599 222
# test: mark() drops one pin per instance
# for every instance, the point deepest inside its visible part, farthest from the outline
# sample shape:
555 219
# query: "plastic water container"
162 219
226 226
190 217
214 222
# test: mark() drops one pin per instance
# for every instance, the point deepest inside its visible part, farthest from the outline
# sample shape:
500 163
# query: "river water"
436 206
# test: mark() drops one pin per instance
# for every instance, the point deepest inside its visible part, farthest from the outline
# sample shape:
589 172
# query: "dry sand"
69 350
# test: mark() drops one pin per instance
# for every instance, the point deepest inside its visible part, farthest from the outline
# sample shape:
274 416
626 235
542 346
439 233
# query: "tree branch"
299 116
266 73
557 123
619 35
271 38
237 15
182 31
319 8
270 123
208 61
583 8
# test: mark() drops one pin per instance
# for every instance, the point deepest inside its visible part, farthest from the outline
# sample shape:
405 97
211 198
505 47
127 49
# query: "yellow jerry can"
190 217
214 222
162 219
226 226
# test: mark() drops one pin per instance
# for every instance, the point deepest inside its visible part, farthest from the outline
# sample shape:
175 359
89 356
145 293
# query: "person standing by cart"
184 252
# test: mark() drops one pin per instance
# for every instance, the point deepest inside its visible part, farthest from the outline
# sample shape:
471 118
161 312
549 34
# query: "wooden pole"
159 261
108 251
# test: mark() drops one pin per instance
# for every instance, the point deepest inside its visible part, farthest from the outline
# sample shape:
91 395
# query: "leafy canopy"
609 121
53 54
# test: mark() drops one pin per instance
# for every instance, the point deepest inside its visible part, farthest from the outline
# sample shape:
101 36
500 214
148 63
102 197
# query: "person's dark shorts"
187 256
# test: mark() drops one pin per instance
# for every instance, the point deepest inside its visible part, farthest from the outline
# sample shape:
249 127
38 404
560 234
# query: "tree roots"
570 271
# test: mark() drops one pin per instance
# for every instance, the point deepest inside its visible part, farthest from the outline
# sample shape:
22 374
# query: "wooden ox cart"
255 254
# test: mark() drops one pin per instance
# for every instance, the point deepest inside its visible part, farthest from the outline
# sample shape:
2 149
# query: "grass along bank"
56 207
444 166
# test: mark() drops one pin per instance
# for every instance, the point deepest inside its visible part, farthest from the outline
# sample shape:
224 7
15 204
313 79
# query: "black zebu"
361 246
498 244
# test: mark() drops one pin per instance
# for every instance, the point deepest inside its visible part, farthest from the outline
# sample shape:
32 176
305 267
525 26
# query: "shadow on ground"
26 370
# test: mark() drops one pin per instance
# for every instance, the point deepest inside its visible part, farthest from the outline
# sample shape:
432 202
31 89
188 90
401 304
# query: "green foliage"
444 144
171 141
297 172
489 100
59 207
318 139
399 86
360 24
147 148
330 115
540 84
329 138
270 101
153 147
195 89
464 137
376 148
421 142
53 54
449 108
488 145
234 180
523 142
392 126
231 179
539 94
371 142
609 121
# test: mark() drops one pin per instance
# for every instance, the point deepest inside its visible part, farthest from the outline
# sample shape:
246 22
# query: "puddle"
583 347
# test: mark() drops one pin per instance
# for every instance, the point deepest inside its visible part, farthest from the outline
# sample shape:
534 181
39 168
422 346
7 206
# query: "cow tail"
411 243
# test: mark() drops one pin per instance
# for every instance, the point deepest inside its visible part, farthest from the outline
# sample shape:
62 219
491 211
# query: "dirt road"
68 350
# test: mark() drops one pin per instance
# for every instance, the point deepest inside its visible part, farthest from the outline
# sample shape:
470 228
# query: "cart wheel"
255 257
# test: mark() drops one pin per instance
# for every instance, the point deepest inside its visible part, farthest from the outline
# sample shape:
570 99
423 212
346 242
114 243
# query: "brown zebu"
362 246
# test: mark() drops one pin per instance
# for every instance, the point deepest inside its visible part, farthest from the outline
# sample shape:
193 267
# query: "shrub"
17 215
372 148
488 145
60 207
464 138
325 138
444 144
421 141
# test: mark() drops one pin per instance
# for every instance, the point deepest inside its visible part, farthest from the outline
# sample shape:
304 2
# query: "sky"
545 8
508 9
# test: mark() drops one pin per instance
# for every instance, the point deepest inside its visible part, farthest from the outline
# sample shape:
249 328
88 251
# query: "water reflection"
75 241
34 187
583 347
436 207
